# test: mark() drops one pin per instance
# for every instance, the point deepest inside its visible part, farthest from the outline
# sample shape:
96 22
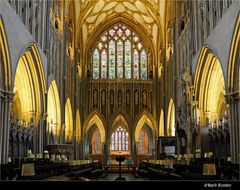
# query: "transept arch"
171 119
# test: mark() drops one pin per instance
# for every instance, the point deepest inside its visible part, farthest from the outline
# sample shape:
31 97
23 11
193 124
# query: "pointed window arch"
104 64
120 54
96 64
143 65
120 139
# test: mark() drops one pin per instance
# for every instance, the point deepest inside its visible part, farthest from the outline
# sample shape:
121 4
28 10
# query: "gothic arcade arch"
120 135
54 111
234 61
68 122
145 133
209 87
5 70
29 86
94 134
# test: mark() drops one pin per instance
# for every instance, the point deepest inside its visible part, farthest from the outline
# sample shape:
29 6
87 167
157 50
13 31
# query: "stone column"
135 152
6 100
1 124
107 150
233 100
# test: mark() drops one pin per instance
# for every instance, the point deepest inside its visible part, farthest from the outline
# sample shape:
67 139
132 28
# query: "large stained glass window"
120 59
96 64
120 139
111 60
143 64
119 53
135 64
104 64
128 66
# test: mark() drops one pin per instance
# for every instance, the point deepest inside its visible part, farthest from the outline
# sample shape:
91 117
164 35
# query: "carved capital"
232 97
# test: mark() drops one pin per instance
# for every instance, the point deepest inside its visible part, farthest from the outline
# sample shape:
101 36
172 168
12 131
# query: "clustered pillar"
5 102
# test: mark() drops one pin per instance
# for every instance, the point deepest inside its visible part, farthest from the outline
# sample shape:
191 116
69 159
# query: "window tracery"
120 139
119 53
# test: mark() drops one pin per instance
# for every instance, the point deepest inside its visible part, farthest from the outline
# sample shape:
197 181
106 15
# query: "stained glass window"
96 64
128 70
120 59
135 64
111 60
120 139
104 64
120 53
143 65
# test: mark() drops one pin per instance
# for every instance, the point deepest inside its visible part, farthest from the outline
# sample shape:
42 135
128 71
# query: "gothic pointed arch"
209 86
233 95
234 63
145 134
117 114
29 84
117 50
119 135
95 119
5 69
53 110
142 119
145 13
68 121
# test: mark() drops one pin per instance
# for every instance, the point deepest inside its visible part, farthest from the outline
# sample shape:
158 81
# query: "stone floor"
108 177
127 176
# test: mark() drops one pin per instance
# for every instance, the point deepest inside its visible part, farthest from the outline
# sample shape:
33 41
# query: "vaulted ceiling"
89 15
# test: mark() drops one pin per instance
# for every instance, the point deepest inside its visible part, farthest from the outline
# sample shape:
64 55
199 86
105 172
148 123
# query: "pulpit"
120 159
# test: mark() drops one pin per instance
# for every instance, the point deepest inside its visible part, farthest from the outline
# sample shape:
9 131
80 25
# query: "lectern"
120 159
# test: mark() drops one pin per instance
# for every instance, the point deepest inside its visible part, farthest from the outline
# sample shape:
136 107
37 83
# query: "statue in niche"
111 98
128 98
119 98
136 98
103 97
95 98
144 98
